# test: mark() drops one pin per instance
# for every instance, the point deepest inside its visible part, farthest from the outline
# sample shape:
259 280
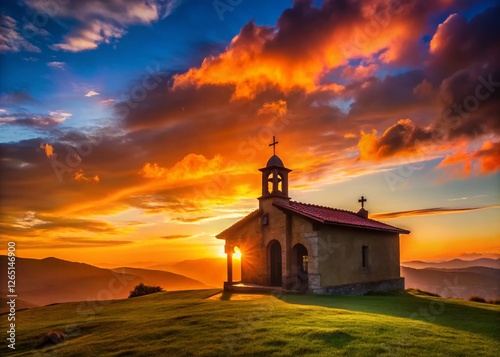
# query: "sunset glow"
133 134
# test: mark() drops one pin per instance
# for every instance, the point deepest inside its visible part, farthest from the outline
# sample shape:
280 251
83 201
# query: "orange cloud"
305 45
368 145
49 150
191 166
488 157
248 67
399 139
192 170
443 34
152 170
277 108
80 176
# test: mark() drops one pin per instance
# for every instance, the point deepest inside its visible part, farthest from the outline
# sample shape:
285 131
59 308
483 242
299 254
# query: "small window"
265 219
364 256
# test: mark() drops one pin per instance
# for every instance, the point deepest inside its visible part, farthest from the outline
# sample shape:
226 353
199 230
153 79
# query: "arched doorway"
275 263
301 262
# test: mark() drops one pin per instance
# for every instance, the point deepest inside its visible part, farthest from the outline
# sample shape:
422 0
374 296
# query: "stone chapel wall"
340 256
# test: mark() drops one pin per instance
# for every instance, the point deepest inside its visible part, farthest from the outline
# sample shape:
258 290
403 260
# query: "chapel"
297 246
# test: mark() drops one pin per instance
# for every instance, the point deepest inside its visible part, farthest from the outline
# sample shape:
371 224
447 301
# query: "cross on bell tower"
273 144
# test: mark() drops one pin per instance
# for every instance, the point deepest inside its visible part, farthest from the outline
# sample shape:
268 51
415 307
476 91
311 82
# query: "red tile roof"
327 215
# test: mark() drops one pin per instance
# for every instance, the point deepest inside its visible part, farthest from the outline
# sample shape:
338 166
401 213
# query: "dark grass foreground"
207 323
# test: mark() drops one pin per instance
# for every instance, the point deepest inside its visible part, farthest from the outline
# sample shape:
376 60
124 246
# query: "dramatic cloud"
325 85
102 21
31 223
463 74
427 212
192 166
394 95
487 159
68 224
10 38
308 42
458 43
400 138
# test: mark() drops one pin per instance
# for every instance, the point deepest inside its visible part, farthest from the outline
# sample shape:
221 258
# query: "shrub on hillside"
494 301
51 338
141 289
477 299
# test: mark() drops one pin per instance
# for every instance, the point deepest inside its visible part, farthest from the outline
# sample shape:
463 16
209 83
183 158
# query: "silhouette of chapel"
304 247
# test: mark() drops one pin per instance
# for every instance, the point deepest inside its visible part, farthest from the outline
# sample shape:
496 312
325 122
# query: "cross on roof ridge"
362 200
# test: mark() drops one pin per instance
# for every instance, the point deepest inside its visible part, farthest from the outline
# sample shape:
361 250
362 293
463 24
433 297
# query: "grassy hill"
209 323
20 304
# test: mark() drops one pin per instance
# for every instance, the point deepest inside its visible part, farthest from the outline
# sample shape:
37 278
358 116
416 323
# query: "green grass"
188 323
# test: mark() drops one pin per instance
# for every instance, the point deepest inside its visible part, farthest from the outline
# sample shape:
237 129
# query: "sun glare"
237 253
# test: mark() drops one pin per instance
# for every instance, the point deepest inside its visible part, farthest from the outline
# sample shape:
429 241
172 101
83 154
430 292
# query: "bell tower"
274 178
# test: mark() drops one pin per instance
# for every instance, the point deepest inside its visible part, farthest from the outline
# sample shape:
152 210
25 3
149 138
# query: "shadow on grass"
226 295
440 311
334 338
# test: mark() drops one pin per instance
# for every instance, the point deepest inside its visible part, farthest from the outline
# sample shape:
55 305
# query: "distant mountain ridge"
53 280
459 283
210 271
454 264
160 277
455 278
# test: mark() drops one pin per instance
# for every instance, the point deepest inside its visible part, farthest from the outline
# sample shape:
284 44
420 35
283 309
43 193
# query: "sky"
132 131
